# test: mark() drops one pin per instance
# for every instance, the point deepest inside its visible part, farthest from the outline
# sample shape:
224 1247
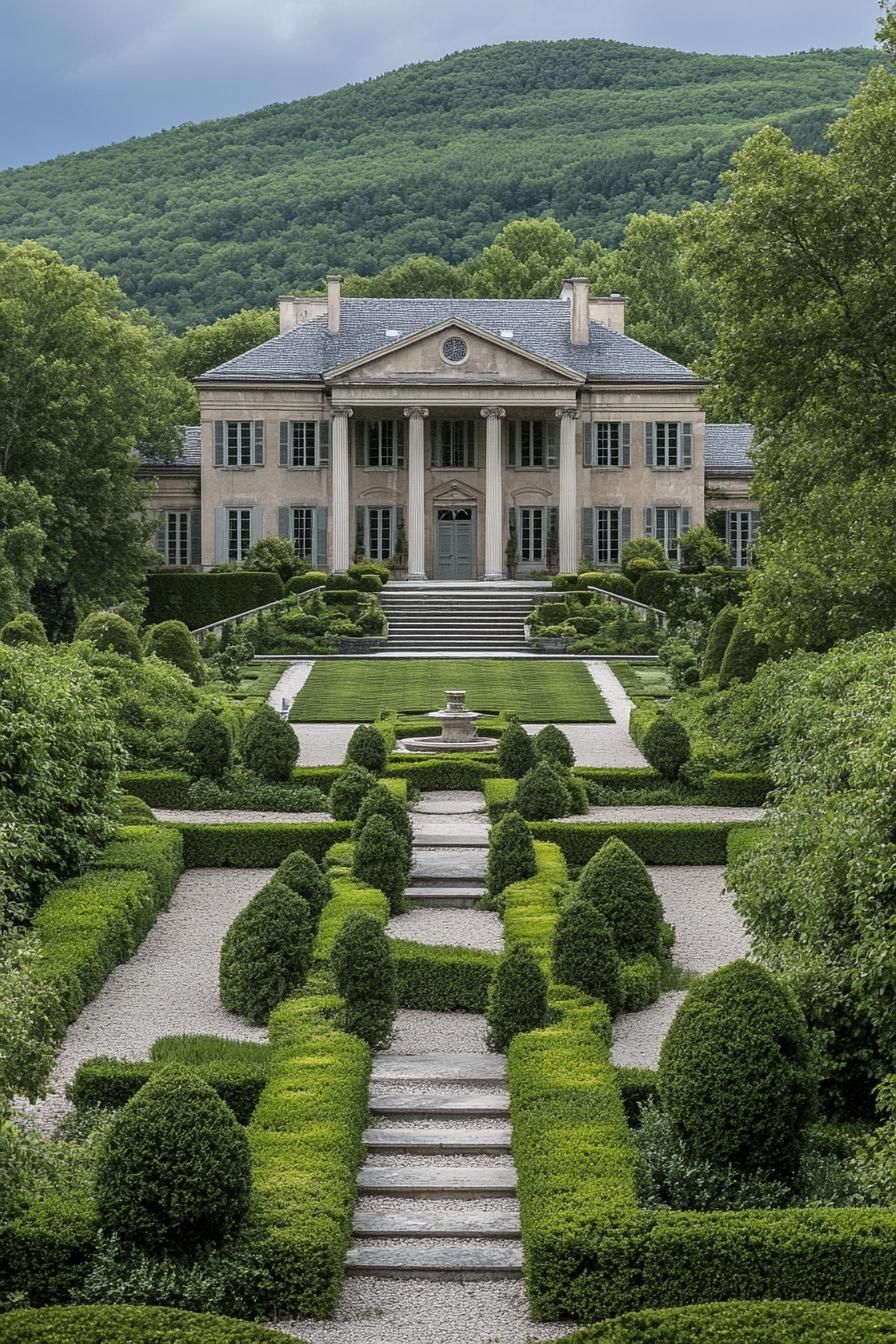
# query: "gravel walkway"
670 813
319 743
638 1037
603 743
222 818
420 1033
450 928
290 683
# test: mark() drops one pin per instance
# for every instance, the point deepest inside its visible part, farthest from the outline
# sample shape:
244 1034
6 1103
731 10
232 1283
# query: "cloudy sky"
79 73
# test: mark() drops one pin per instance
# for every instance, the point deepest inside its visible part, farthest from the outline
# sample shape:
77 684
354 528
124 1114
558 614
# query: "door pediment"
450 493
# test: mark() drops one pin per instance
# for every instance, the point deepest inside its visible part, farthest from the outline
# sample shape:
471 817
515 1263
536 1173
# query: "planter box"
537 645
369 644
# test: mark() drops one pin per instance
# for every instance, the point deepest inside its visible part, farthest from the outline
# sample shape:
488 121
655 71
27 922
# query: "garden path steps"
437 1194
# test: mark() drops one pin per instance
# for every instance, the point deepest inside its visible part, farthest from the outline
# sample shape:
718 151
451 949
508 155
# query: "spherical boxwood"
350 787
541 794
553 745
517 997
128 1325
511 853
266 952
209 747
765 1322
734 1073
666 745
367 747
717 641
382 802
300 873
743 656
24 629
618 884
365 977
381 862
269 746
172 641
173 1169
611 583
516 751
112 633
583 953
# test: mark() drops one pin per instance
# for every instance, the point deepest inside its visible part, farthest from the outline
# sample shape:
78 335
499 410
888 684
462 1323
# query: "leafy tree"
529 259
274 555
24 519
24 629
415 278
642 548
172 642
202 348
700 548
111 633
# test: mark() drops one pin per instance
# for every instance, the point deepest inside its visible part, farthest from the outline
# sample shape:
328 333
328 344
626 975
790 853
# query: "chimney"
576 292
609 310
334 303
298 308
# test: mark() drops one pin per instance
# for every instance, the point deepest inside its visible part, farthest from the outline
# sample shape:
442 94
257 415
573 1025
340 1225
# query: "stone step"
438 1140
449 1105
430 1068
438 1182
459 1263
445 898
455 1222
450 839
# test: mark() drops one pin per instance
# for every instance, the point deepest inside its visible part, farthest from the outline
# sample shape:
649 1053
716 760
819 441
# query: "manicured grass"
359 690
257 680
644 679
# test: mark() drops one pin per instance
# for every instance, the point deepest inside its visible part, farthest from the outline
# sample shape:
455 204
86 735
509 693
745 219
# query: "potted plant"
398 560
511 554
553 549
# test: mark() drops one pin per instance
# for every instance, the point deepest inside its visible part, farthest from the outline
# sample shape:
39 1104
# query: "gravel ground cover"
708 930
638 1037
222 818
671 813
419 1033
481 929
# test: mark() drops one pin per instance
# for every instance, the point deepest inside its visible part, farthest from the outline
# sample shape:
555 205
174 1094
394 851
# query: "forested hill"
208 218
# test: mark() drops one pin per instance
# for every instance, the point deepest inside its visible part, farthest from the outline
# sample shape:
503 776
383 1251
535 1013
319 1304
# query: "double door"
455 537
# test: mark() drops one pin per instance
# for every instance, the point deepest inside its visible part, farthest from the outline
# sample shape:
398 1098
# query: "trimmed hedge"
742 839
621 777
637 1087
745 1323
444 772
45 1250
442 979
256 844
736 788
201 599
349 898
128 1325
158 788
110 1083
641 719
656 842
531 907
151 849
641 982
499 797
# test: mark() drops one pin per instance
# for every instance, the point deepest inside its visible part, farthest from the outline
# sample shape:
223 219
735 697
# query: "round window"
454 350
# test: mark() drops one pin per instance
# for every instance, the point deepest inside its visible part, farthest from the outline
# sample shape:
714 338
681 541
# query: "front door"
455 543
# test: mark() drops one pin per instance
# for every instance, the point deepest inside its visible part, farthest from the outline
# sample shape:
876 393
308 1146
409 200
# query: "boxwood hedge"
128 1325
110 1083
257 844
158 788
654 841
736 788
201 599
745 1323
442 979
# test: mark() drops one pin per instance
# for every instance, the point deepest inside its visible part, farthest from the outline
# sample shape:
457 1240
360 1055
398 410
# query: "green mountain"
208 218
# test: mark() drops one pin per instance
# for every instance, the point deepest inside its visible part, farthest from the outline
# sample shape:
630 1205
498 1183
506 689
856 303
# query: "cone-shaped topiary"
173 1170
111 633
578 795
172 641
365 977
553 745
266 952
350 787
517 997
25 628
717 641
367 747
743 656
734 1072
511 853
209 747
542 794
382 802
666 745
583 953
300 873
269 746
617 882
380 861
516 751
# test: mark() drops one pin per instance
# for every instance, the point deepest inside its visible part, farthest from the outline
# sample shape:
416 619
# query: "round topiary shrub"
380 861
209 747
515 752
717 641
553 745
382 802
172 641
542 794
173 1169
128 1325
301 874
734 1072
25 628
365 977
744 1323
618 884
517 997
266 952
111 633
269 747
744 654
350 787
666 745
303 583
367 747
583 953
611 583
511 853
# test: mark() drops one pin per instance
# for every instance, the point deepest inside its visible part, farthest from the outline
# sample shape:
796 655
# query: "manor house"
468 438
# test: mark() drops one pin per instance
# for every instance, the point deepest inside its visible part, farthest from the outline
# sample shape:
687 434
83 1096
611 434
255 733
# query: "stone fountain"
458 729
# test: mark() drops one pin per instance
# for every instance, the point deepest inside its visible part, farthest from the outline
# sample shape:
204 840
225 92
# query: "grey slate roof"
727 448
189 458
540 327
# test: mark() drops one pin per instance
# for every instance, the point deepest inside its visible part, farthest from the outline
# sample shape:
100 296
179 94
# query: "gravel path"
222 818
704 814
603 743
420 1033
169 986
638 1037
450 928
290 683
319 743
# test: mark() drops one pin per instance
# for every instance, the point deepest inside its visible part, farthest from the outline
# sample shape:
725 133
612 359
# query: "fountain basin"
458 725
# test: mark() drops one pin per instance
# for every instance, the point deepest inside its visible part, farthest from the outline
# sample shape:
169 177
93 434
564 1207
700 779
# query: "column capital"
416 412
493 412
567 413
342 411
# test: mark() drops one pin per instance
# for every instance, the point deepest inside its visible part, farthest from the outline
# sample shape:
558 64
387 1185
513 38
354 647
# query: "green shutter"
648 523
283 521
625 526
360 530
219 443
552 441
258 443
323 443
256 525
626 447
401 439
221 536
512 438
649 439
195 536
360 428
284 443
320 538
588 444
588 532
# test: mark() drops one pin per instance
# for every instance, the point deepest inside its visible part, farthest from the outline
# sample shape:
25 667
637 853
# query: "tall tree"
529 259
24 520
416 278
204 347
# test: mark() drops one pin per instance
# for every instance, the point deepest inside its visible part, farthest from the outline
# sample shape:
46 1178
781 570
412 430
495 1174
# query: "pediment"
419 358
455 492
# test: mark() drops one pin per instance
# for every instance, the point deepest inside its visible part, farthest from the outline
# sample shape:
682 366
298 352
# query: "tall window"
239 534
532 536
380 443
379 534
668 525
743 524
533 444
176 537
303 533
607 444
453 443
668 444
302 443
607 541
238 443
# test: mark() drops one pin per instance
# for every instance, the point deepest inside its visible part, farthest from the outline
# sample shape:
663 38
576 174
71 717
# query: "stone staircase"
458 617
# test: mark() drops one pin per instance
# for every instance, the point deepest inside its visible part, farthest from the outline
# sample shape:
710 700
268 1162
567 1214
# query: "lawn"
644 679
539 691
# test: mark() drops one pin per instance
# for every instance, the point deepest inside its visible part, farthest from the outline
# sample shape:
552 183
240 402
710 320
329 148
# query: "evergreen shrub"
301 874
349 791
361 960
542 794
209 747
611 583
25 628
717 641
269 746
380 801
111 633
173 1170
202 599
553 745
380 861
745 1323
517 997
618 884
128 1325
583 953
367 748
266 952
515 751
666 745
743 656
302 583
579 802
172 641
511 853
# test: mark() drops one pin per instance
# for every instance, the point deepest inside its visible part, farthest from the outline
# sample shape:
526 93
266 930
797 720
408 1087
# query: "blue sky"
80 73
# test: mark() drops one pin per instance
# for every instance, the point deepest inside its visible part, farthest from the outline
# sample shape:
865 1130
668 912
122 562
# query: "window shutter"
648 523
320 538
685 517
283 520
258 443
649 454
284 443
588 533
687 444
625 526
323 443
470 443
219 443
360 429
512 436
552 434
754 521
159 537
588 444
195 536
400 443
221 536
626 445
256 525
554 523
399 519
435 440
360 538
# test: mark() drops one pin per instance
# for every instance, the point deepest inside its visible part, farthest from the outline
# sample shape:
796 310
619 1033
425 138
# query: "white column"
494 495
341 525
416 510
569 559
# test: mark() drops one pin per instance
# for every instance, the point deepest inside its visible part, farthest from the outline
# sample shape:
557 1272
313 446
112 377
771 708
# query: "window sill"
226 466
286 467
690 468
615 466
